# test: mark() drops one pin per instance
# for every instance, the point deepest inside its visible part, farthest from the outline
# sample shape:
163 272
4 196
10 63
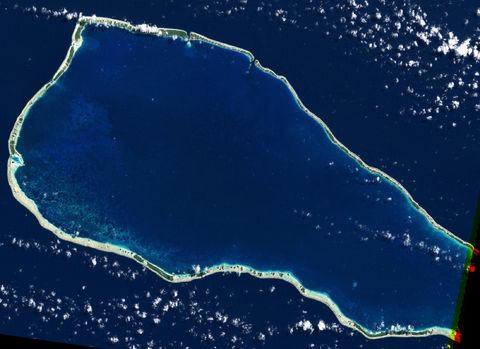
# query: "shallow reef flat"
188 156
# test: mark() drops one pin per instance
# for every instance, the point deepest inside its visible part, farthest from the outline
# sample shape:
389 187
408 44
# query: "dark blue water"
189 155
109 298
340 68
438 166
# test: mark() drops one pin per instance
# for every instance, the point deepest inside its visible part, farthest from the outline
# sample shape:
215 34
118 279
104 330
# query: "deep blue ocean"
58 291
339 76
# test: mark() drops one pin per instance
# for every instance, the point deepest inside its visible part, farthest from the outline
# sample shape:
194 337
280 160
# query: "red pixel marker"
457 336
472 266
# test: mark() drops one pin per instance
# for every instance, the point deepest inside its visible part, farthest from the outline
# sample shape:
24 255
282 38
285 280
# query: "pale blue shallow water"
192 156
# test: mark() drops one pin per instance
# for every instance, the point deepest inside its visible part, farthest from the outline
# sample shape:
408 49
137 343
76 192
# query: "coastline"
14 163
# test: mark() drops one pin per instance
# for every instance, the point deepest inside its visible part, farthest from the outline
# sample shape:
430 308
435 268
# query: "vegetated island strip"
16 160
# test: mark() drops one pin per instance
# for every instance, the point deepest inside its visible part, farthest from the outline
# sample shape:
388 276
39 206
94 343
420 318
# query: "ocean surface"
191 156
371 70
356 84
62 292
